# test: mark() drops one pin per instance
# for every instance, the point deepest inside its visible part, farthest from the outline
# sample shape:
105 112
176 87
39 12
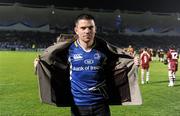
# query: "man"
131 50
145 58
86 73
172 58
161 55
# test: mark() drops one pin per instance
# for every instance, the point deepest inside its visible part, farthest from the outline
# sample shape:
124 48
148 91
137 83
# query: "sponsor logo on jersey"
97 56
77 57
89 61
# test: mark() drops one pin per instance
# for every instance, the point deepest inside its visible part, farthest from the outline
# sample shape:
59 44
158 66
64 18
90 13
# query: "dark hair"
172 46
84 16
145 49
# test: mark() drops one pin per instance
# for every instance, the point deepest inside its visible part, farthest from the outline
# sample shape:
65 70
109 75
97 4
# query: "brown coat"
54 83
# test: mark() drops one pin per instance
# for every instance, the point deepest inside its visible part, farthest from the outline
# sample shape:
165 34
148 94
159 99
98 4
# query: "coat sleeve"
44 84
135 93
126 78
53 75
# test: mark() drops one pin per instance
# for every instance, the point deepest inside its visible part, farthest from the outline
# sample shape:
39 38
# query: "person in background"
145 58
172 59
131 51
153 52
161 55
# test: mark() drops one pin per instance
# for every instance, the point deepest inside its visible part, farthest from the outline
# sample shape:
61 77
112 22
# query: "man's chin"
88 39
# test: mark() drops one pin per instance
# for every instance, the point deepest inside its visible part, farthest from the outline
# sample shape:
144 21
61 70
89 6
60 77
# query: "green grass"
19 91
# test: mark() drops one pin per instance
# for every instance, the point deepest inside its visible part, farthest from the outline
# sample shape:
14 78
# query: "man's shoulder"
66 37
63 40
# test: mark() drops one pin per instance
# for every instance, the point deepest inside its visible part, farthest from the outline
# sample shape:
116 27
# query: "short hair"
172 46
145 49
84 16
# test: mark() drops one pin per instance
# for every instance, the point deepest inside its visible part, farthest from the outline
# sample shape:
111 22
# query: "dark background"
164 6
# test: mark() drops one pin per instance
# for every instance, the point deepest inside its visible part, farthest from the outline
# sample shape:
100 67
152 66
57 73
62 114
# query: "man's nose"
87 30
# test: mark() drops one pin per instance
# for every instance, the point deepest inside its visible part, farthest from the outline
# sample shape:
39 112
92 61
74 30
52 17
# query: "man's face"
85 29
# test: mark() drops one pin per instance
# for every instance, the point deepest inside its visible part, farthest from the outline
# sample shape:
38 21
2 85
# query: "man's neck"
86 45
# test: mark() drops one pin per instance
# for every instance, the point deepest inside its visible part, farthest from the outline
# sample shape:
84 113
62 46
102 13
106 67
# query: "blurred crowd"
22 40
17 40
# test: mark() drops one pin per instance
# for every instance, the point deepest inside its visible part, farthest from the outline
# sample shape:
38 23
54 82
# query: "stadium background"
24 24
41 23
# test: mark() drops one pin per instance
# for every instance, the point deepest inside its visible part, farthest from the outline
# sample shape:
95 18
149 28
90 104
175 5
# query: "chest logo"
88 61
77 56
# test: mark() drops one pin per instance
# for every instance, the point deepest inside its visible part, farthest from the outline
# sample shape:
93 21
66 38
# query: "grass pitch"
19 91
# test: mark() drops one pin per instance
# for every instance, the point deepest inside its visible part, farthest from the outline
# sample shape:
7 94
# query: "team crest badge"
97 56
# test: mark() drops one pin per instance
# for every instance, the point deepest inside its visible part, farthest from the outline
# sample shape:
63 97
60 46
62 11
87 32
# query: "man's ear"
75 30
95 29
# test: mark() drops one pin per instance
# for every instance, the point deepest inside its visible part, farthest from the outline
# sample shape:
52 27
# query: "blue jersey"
86 74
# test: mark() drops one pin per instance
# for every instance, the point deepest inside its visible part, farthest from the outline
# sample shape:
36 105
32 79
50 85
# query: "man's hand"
36 60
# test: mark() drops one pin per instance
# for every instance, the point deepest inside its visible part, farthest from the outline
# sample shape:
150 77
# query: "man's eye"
90 28
83 28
